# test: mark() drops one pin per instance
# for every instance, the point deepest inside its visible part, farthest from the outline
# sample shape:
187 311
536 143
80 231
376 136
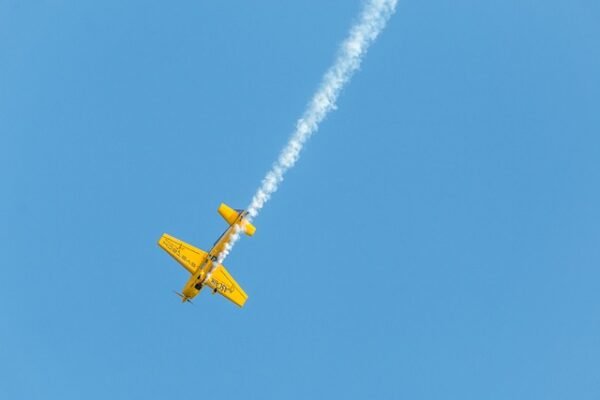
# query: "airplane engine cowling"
230 215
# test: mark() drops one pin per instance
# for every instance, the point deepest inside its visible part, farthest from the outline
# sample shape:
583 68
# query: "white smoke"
371 22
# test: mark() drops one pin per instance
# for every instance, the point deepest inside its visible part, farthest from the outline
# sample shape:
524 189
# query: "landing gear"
198 286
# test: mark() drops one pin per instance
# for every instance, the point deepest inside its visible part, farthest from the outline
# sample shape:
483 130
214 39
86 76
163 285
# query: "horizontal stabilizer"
231 216
223 283
188 256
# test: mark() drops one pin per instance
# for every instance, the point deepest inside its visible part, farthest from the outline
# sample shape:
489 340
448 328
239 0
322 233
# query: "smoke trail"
371 22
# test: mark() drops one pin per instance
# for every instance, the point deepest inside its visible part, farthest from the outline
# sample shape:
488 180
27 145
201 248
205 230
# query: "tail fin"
231 216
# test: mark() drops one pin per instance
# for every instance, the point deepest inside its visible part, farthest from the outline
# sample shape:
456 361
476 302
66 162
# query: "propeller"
184 299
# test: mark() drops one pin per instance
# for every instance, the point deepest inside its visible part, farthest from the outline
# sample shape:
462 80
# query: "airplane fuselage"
204 267
197 280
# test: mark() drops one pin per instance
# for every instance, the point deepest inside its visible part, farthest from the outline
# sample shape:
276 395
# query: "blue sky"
438 238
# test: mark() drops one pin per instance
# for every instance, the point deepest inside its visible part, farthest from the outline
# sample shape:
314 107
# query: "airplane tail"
231 215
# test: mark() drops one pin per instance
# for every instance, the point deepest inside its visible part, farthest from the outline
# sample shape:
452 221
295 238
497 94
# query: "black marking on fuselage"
222 234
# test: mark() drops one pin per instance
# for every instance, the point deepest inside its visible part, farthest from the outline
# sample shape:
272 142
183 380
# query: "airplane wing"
223 283
188 256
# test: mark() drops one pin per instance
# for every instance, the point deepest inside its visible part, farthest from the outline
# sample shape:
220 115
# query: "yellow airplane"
203 266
